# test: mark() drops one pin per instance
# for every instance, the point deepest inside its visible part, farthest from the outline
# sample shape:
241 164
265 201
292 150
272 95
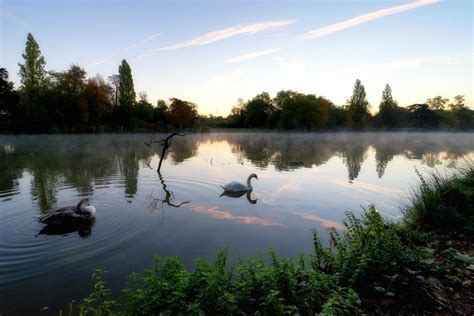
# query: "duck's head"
85 207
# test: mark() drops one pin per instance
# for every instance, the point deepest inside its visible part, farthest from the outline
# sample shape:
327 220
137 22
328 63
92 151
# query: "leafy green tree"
182 114
126 95
32 77
421 116
69 107
8 97
237 114
97 96
437 103
388 108
358 106
258 110
458 104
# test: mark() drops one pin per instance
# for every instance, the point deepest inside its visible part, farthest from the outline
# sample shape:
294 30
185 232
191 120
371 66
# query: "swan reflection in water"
83 228
239 194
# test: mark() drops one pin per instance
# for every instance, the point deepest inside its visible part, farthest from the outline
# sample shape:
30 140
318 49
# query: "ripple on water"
25 254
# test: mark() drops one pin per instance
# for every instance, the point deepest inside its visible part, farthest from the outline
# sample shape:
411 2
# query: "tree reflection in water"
168 199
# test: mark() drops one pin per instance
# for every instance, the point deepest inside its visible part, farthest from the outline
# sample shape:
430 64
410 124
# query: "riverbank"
423 264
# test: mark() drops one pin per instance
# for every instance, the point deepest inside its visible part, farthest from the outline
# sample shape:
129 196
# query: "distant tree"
126 95
69 107
97 96
144 111
302 111
32 77
182 114
458 104
388 108
114 82
437 103
258 110
358 106
160 115
237 114
8 97
421 116
32 73
143 96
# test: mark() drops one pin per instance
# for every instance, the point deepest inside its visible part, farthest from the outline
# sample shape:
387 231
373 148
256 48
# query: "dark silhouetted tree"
9 98
358 106
421 116
126 93
437 103
388 108
258 110
182 114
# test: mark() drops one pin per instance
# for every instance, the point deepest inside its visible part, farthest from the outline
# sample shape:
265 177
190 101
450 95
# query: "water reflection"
83 228
88 162
248 195
167 199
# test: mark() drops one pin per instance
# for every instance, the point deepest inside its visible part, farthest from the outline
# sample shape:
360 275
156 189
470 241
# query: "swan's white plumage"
235 186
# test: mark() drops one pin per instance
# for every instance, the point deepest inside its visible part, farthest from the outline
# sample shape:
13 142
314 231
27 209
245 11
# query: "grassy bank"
422 264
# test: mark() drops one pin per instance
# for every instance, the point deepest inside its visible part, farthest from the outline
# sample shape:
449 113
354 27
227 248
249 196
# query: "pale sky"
214 52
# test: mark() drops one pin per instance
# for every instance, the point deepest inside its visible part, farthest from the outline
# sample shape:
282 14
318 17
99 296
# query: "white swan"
235 186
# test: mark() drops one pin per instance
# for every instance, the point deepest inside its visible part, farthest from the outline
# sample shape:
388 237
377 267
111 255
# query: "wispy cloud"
253 55
361 19
412 63
219 35
95 63
142 42
9 15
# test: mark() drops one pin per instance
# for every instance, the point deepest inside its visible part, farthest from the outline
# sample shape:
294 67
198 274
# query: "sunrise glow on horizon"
213 53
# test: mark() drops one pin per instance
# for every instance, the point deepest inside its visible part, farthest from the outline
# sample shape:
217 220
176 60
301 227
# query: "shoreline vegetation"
70 102
423 264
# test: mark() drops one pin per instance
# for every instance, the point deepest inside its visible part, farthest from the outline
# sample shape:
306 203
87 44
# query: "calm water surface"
305 181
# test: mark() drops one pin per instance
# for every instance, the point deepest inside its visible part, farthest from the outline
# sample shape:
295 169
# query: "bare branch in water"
165 143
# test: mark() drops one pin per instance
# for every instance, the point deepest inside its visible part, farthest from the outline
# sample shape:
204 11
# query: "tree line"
294 110
68 101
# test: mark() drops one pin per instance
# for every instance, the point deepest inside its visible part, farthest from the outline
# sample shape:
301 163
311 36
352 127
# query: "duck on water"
65 215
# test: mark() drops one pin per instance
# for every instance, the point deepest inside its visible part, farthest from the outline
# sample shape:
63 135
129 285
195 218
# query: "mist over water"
305 181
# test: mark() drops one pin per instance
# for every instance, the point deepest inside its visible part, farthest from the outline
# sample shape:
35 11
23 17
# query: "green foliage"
9 98
372 266
32 73
97 303
126 90
443 204
358 106
182 114
388 109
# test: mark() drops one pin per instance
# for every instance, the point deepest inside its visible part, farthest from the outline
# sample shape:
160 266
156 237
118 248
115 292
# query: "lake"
304 181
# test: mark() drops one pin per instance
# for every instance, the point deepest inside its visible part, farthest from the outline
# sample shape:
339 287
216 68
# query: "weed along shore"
423 264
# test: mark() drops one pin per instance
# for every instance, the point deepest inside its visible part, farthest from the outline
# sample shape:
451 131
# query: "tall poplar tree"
359 106
126 93
32 76
388 108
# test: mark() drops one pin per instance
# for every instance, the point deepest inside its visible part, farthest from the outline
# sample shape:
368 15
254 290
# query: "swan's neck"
248 182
